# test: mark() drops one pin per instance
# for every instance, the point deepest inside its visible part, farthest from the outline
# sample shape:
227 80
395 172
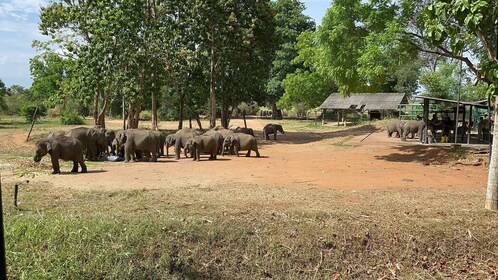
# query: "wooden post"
32 123
323 116
426 120
470 124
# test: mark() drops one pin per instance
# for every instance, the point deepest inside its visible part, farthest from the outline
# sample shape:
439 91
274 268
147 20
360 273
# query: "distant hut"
378 105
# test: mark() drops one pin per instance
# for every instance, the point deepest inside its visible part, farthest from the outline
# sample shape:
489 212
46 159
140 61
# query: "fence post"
3 265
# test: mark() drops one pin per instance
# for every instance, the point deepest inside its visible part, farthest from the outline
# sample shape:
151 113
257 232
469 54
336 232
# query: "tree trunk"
154 104
182 103
96 107
492 191
212 96
101 115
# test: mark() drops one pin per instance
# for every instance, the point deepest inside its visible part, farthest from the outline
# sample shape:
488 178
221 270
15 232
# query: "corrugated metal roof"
366 101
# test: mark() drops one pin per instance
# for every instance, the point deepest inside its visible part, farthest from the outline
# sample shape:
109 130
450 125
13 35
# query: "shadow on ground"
419 153
310 137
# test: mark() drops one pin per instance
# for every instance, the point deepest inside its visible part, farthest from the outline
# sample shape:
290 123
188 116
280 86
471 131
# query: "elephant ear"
122 137
50 146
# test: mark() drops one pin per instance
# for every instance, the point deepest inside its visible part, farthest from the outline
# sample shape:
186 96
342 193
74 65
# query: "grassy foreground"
249 232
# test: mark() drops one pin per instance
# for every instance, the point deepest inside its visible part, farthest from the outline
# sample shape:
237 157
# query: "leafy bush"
28 111
145 116
71 117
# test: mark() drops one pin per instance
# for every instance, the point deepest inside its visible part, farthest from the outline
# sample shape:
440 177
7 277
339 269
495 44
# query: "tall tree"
290 23
3 93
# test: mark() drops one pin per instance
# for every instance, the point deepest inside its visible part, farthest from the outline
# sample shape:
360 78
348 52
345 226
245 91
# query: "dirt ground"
354 159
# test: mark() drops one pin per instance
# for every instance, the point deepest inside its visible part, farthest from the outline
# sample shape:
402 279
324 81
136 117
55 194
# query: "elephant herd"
146 145
404 128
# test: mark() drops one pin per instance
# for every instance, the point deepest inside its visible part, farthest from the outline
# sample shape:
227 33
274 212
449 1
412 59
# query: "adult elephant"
179 139
245 130
92 139
138 139
223 131
391 127
162 142
202 144
217 137
61 147
241 142
272 129
412 127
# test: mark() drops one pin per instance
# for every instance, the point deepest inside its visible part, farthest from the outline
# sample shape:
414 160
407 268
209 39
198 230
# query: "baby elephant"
240 142
202 144
272 129
61 147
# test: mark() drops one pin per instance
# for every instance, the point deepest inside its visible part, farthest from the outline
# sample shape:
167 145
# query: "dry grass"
248 232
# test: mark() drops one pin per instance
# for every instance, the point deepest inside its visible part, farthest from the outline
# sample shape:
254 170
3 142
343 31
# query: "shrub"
145 116
71 117
54 113
168 113
28 111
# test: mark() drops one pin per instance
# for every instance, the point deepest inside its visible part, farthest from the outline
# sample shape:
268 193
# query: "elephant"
245 130
110 135
56 133
202 144
223 131
180 138
412 127
392 126
138 139
61 147
92 139
272 129
241 142
162 142
217 137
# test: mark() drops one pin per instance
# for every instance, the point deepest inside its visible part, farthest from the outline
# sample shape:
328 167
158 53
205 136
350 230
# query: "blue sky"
19 27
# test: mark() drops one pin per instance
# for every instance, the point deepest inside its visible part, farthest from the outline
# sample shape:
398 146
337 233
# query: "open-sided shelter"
378 105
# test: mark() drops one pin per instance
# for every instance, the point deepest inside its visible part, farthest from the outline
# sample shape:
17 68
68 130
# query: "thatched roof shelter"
364 101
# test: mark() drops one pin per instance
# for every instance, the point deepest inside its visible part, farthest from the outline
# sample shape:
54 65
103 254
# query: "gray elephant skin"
162 142
272 129
412 127
179 139
61 147
92 139
202 144
138 139
245 130
392 126
241 142
217 137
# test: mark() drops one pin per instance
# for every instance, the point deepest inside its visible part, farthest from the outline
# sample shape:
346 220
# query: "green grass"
342 142
247 232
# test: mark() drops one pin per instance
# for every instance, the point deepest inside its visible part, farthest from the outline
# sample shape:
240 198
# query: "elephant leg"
275 136
197 156
154 156
403 137
248 154
83 166
55 165
236 151
257 152
177 150
75 167
127 154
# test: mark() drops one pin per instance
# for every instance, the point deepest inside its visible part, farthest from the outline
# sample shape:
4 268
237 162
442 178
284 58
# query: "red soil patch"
361 158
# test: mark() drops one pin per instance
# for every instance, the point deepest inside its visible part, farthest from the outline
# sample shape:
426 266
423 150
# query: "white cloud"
20 10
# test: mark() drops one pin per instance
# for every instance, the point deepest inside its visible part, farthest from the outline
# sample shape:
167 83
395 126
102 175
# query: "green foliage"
3 93
16 98
70 117
290 23
145 116
441 84
28 111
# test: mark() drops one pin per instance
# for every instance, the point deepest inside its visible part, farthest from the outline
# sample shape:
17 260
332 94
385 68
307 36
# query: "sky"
19 21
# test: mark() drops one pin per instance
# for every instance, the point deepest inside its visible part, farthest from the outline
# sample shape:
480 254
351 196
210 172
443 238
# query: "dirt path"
351 159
